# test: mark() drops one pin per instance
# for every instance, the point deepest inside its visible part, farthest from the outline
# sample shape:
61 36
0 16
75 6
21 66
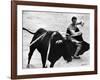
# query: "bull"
52 45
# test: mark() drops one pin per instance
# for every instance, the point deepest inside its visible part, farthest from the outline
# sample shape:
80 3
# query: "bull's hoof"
69 60
46 67
76 57
28 66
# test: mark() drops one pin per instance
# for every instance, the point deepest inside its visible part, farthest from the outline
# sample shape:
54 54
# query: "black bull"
64 48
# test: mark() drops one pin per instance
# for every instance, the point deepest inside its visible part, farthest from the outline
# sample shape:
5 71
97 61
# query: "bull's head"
65 51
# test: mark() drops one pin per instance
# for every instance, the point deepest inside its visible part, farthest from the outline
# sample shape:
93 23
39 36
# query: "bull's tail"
28 30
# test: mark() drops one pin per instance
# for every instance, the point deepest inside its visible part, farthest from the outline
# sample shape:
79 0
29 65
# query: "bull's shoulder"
57 35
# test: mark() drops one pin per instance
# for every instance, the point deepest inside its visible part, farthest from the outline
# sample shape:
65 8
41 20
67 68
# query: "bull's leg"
43 60
32 48
52 64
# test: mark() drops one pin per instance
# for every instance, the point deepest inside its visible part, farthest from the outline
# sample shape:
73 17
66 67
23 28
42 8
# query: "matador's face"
74 21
